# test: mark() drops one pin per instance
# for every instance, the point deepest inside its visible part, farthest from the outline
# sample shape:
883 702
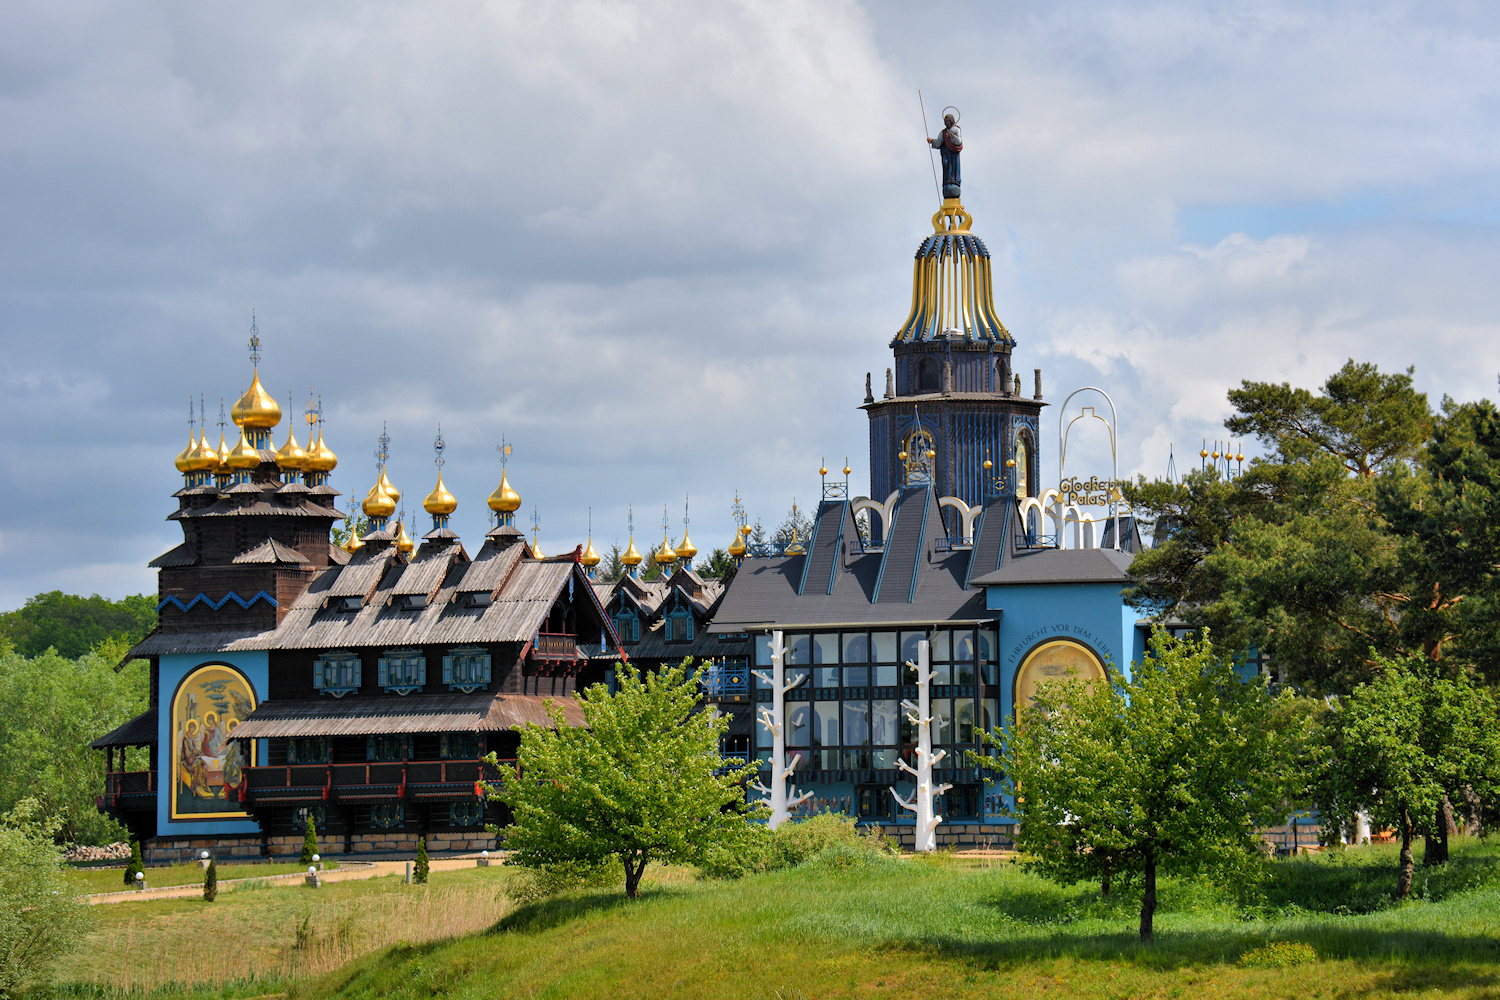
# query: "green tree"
51 708
611 567
420 869
1398 745
717 565
352 522
309 841
1172 770
642 781
797 524
40 917
211 881
74 625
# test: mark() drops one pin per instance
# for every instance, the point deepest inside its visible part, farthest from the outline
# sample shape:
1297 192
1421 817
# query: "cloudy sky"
658 245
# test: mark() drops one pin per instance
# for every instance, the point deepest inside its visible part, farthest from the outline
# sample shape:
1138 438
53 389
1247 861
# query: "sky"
657 246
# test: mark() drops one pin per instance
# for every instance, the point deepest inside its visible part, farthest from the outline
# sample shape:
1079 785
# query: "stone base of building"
955 836
179 850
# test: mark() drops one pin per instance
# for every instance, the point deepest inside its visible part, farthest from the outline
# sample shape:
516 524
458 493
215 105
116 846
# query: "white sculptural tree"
782 799
924 797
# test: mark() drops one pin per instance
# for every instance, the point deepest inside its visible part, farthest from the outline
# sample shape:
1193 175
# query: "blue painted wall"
173 668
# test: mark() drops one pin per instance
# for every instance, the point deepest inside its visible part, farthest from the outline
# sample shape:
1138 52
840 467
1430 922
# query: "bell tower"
953 413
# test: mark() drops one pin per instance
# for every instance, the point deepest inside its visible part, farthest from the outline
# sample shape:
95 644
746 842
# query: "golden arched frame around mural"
207 765
1051 660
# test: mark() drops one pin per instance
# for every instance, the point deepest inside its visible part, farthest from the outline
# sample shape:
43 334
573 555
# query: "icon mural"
207 762
1061 659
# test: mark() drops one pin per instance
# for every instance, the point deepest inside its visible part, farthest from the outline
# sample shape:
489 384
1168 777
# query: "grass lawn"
941 927
88 880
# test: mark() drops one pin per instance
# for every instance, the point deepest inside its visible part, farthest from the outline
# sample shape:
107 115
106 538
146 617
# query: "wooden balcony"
373 781
131 791
555 646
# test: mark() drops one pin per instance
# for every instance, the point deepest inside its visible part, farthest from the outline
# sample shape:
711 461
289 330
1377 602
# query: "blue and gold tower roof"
952 290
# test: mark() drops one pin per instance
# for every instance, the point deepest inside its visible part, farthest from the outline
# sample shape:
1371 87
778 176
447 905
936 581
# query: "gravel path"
347 871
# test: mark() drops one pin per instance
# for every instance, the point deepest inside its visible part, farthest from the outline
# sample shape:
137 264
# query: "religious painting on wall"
1060 659
207 763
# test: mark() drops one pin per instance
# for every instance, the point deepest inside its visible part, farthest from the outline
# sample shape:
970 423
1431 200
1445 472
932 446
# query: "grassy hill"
851 927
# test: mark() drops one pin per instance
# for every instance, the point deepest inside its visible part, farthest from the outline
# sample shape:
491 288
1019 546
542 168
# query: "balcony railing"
372 781
129 787
555 646
720 681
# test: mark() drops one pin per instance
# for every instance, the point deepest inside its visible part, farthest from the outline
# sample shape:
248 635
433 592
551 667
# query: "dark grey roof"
138 732
164 643
914 582
182 555
1060 566
433 713
272 551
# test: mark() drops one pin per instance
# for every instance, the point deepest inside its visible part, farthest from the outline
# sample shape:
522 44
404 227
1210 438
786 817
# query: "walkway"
347 871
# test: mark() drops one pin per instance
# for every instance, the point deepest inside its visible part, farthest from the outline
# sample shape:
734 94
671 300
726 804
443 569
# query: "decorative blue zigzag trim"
231 596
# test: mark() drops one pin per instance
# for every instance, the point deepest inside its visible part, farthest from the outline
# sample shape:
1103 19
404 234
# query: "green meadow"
841 925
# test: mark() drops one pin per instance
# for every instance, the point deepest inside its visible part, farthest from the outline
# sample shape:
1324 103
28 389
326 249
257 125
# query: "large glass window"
942 673
989 713
942 720
826 723
963 720
466 669
883 725
799 648
826 677
825 648
792 674
762 650
856 723
403 670
798 724
963 647
856 677
942 643
883 647
885 675
856 647
963 673
987 645
909 642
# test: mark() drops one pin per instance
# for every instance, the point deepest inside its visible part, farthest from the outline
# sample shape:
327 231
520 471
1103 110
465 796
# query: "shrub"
40 917
796 843
1279 955
531 885
137 864
309 842
419 870
211 881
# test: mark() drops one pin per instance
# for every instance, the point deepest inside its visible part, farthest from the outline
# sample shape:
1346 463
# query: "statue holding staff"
949 143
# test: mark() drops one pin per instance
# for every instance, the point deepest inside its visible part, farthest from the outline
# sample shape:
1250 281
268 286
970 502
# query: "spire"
632 556
505 501
439 503
687 549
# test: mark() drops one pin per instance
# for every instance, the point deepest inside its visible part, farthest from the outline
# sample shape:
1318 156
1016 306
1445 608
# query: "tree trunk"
1435 851
1148 898
1472 812
634 869
1405 871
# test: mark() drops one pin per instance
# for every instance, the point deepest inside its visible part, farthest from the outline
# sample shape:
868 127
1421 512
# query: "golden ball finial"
988 465
504 500
1240 457
847 470
590 558
745 530
440 501
256 408
632 555
901 455
1010 463
378 502
1203 453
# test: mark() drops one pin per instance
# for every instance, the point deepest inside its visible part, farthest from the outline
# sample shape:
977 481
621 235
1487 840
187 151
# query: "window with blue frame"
460 746
380 748
318 814
628 626
467 669
402 671
307 750
387 815
337 673
466 814
679 626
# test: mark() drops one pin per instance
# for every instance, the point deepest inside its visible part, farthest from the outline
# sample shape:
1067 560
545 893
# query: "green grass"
845 927
89 880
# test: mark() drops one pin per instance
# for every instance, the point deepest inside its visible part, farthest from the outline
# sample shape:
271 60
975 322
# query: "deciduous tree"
40 916
643 780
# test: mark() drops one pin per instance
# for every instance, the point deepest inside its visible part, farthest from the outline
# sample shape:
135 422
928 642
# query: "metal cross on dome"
685 498
631 517
313 414
737 509
382 453
437 447
192 422
254 341
504 449
666 520
222 422
536 520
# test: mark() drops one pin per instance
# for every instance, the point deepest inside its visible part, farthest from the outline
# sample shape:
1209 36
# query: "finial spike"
504 449
437 446
254 340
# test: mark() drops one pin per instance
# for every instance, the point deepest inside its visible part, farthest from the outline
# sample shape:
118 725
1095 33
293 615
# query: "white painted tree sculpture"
924 796
783 800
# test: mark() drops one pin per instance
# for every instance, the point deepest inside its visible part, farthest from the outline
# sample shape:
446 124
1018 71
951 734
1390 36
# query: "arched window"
929 375
1023 467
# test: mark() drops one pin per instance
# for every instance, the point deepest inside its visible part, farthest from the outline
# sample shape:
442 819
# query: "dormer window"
413 602
477 599
402 671
679 626
337 673
467 669
628 626
345 603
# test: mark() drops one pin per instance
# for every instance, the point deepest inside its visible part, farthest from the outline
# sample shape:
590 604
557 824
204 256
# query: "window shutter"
484 660
317 675
358 673
383 672
447 670
421 670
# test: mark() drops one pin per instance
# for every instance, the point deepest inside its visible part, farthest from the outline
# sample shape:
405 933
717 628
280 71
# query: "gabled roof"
272 551
1042 566
138 732
182 555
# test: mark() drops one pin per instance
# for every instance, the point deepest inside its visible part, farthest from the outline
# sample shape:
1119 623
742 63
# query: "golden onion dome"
184 458
687 549
737 547
353 543
256 408
536 550
320 457
590 558
440 501
203 457
632 556
504 500
243 456
378 502
403 540
290 456
390 487
666 555
221 457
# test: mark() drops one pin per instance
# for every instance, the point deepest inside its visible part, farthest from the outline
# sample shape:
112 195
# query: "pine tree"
137 864
419 870
310 842
211 881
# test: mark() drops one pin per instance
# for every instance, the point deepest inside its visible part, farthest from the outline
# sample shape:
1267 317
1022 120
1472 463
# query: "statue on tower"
949 143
